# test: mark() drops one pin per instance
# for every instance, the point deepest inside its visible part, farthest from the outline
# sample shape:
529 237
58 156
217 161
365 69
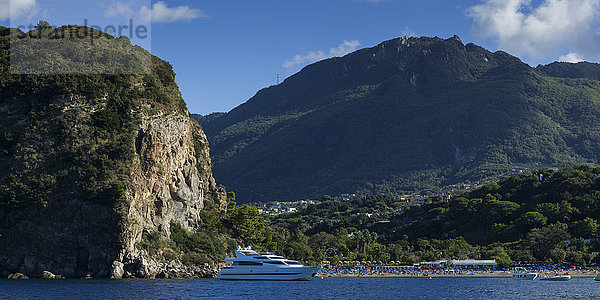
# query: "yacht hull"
556 278
528 276
285 274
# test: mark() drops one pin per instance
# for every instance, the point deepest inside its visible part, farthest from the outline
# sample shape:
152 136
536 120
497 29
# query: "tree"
496 210
543 240
43 25
532 219
326 198
297 247
576 258
499 254
231 201
323 240
211 220
250 226
558 255
586 228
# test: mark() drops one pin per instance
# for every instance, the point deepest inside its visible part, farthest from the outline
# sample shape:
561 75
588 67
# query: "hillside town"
275 208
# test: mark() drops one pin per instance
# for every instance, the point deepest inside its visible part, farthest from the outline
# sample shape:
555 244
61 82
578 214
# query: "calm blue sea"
317 288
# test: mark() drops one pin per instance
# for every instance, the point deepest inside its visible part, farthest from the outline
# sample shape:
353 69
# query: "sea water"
317 288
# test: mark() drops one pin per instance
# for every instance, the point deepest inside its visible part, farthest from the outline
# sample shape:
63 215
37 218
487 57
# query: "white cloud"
119 8
571 57
313 56
538 32
17 8
408 32
161 13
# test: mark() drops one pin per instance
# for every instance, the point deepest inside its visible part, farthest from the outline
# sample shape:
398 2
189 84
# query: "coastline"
468 275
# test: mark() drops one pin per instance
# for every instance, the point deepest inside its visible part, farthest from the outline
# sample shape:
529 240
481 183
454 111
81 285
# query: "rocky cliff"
170 180
91 165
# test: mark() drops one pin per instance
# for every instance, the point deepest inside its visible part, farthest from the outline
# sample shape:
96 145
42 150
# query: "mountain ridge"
461 114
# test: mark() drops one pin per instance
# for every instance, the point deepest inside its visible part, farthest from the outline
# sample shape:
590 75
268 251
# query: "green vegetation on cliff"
190 247
221 232
49 150
411 114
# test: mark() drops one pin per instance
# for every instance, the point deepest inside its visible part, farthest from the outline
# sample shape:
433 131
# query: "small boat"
522 274
251 265
556 278
597 278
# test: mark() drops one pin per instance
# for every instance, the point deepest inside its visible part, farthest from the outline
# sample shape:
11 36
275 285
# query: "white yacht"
251 265
522 274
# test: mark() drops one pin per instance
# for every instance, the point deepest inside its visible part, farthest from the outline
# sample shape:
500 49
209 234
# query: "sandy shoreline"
469 275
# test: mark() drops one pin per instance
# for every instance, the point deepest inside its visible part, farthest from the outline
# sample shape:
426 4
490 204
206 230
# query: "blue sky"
225 51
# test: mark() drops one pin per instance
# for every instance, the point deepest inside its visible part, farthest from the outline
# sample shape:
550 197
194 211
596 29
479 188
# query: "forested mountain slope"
410 114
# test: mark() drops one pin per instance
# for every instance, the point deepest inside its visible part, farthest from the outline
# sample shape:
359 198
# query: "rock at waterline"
17 276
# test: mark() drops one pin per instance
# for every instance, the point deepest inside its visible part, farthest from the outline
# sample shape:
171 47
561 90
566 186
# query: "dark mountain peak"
417 62
456 38
404 43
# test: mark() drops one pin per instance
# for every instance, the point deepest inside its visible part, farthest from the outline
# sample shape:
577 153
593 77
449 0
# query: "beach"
391 271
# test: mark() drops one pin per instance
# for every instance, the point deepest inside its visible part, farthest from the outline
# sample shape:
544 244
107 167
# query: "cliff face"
91 164
165 172
170 179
